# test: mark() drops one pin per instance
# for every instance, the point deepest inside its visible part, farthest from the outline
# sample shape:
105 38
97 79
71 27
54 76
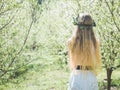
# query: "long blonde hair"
84 48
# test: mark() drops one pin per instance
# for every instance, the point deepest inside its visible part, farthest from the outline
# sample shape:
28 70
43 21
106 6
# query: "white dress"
82 80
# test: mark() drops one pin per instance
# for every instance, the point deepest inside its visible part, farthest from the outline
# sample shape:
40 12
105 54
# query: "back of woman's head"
84 38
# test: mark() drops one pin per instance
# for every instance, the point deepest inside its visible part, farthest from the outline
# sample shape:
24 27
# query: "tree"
10 48
111 37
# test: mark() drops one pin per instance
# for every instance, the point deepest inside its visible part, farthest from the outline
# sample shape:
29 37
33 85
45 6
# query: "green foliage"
13 34
34 40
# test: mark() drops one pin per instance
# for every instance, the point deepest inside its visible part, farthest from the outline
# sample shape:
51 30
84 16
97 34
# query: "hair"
83 45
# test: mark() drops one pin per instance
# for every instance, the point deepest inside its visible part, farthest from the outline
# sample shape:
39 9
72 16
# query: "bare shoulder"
98 40
69 40
98 43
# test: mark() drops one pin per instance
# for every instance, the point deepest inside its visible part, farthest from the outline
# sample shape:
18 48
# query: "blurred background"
33 42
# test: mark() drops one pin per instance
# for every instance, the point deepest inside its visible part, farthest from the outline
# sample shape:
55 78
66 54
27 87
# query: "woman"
84 55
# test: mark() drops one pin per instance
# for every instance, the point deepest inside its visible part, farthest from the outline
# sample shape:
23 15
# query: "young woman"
84 55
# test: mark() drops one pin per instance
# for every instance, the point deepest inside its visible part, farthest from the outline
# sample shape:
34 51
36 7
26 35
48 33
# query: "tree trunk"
109 73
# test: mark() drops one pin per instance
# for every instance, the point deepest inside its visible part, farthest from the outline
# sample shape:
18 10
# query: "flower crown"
82 26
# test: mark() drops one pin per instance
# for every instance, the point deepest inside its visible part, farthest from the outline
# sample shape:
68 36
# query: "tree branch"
113 17
1 6
18 51
4 11
6 23
116 67
22 45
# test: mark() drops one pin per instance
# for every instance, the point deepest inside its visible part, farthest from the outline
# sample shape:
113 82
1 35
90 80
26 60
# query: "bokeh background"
33 42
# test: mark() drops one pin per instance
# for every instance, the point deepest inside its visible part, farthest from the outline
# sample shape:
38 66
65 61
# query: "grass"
47 75
48 79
